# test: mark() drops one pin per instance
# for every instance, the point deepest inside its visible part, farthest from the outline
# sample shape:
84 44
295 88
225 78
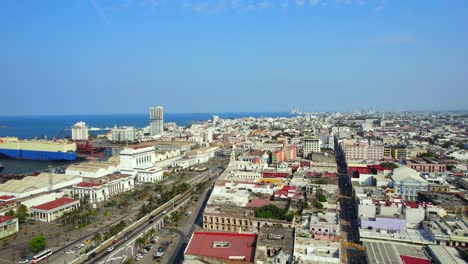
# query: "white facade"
142 158
98 192
80 131
50 214
407 183
141 163
215 119
311 145
149 175
156 121
196 157
208 136
123 134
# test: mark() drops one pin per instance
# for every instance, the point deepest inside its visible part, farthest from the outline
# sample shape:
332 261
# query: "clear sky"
112 56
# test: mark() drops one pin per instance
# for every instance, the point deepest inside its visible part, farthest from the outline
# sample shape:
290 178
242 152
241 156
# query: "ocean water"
29 127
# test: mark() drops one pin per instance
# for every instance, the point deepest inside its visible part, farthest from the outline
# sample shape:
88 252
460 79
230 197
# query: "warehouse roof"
31 183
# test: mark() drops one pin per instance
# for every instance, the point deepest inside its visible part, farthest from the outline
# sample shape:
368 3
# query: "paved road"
348 209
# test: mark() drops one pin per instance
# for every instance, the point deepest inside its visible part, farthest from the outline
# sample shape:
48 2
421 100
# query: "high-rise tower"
156 120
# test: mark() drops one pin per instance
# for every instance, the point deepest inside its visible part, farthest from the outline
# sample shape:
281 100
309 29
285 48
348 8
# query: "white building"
215 119
311 145
407 183
156 121
123 134
8 226
197 156
50 211
141 163
94 169
208 136
80 131
105 188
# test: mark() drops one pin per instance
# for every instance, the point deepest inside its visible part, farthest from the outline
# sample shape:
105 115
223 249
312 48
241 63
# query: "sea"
58 126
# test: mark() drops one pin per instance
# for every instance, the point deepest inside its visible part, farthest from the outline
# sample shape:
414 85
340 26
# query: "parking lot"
158 251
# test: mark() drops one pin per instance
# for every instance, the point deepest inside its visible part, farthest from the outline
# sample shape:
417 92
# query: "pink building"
426 167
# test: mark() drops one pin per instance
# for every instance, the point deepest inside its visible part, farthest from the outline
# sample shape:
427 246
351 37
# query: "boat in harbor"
37 149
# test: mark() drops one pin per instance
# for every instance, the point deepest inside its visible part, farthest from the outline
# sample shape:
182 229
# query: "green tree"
140 241
22 213
321 197
389 165
271 211
319 205
97 237
10 213
37 243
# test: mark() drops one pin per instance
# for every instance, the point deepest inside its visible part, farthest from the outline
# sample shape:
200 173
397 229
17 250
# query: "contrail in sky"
99 11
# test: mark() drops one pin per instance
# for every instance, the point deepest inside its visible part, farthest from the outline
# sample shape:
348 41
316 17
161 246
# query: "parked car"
23 261
109 249
149 247
92 255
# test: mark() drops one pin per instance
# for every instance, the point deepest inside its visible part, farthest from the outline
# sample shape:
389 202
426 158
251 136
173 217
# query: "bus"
41 256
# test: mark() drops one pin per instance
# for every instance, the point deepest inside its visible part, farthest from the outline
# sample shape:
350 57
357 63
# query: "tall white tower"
80 131
156 121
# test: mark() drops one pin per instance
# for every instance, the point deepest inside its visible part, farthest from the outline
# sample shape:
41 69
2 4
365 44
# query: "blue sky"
103 56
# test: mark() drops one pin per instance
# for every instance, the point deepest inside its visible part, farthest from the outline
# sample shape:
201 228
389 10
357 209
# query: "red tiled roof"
5 218
414 260
411 204
54 204
6 197
240 245
88 184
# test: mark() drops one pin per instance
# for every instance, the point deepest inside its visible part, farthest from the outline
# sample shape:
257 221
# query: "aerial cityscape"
210 132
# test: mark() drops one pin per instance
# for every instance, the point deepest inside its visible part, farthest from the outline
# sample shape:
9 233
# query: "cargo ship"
13 147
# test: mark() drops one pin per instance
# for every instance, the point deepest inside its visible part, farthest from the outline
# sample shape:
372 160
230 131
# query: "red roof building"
50 211
221 246
8 226
6 198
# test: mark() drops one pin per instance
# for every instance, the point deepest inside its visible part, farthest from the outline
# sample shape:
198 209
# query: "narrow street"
352 251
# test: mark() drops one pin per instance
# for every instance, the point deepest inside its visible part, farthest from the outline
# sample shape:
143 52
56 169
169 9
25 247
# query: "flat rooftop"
234 246
391 253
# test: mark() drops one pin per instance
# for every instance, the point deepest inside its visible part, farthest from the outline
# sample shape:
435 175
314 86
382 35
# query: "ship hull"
37 155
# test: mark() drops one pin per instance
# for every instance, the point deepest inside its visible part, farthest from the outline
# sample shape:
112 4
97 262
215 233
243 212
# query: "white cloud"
314 2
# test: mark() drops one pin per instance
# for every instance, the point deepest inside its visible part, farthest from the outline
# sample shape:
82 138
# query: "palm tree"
97 237
140 242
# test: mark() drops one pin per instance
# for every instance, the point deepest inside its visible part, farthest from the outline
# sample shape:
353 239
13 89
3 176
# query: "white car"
109 249
79 245
69 252
23 261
